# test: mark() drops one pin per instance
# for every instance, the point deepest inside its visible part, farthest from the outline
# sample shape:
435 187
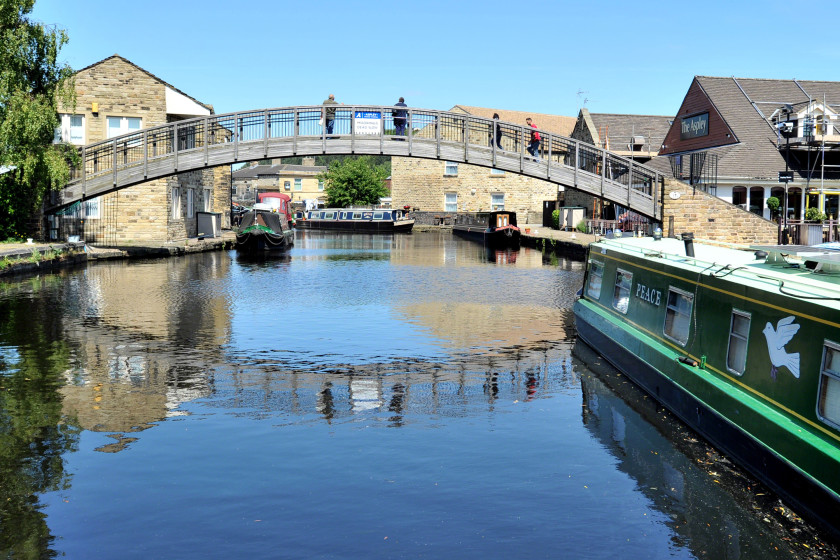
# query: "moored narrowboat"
362 220
497 230
743 346
266 227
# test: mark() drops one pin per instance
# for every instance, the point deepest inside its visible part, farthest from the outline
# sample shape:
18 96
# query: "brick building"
730 139
300 182
115 96
448 187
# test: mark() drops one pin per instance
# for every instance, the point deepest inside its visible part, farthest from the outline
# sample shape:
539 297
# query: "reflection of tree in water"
33 435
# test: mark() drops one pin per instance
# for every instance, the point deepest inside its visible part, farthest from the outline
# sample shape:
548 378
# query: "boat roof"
766 267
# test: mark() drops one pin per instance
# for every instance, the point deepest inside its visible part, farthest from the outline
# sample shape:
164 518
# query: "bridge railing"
620 177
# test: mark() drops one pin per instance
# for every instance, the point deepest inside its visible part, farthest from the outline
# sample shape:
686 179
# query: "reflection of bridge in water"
215 140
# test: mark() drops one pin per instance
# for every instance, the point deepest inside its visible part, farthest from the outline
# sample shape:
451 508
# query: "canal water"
407 396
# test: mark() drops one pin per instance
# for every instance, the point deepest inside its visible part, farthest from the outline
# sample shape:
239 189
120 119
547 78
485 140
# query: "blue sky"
536 56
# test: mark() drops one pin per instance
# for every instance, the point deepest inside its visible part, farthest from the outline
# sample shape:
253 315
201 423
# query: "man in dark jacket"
400 117
329 113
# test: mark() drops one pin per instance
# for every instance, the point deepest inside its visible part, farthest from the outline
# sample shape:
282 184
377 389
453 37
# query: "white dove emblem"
776 340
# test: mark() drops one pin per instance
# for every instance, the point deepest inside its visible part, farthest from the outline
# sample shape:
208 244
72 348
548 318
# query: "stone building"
636 137
115 96
734 136
445 187
300 182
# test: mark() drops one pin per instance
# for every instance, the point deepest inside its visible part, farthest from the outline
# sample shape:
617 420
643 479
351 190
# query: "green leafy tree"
32 83
773 205
354 182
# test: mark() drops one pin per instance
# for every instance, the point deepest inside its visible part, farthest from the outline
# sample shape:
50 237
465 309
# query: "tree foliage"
32 82
354 182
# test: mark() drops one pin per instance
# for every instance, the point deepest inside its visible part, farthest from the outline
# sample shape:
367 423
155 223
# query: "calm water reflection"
362 396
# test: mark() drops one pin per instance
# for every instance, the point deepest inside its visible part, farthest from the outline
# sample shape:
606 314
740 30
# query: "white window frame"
740 338
495 206
91 209
126 125
450 169
621 293
320 184
67 132
596 270
208 203
828 375
190 203
496 172
298 184
450 205
672 311
176 203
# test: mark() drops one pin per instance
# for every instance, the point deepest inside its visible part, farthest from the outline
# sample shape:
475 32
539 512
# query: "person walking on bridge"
534 144
399 117
329 113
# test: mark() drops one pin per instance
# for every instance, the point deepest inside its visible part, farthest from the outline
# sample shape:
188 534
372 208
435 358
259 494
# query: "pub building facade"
745 140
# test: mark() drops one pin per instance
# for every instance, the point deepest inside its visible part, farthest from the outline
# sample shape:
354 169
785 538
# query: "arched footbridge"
215 140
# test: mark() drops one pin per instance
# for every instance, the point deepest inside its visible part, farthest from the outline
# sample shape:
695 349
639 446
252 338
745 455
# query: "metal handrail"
621 179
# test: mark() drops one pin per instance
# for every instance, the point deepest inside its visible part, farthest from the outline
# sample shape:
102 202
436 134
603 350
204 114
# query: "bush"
581 226
813 214
773 204
555 219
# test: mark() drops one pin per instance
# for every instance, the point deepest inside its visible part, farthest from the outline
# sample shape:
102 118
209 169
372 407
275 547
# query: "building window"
828 404
208 204
497 202
739 197
757 200
122 125
298 184
596 275
320 184
450 203
287 185
739 330
451 169
497 172
176 203
92 209
190 203
678 315
71 129
621 294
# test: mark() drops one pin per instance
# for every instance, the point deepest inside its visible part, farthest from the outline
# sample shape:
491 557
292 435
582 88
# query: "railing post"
146 154
577 160
548 161
603 170
114 160
629 183
381 130
206 141
176 143
295 130
522 151
353 130
493 124
236 137
466 139
84 168
437 132
410 133
265 133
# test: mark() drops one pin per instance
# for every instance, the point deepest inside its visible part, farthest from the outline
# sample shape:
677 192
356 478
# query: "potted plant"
773 205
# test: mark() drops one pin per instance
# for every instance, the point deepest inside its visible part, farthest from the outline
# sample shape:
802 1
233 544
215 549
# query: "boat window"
377 215
596 274
621 295
386 215
739 331
678 315
343 215
367 215
828 404
329 215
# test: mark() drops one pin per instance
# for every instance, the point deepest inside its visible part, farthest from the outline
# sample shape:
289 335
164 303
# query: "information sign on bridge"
786 176
368 122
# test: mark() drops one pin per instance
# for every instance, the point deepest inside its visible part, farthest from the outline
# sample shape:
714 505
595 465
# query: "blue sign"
368 115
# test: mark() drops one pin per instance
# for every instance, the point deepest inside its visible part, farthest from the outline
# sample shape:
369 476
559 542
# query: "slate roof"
257 170
750 108
616 131
556 124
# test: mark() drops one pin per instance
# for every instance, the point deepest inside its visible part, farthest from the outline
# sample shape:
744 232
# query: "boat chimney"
688 239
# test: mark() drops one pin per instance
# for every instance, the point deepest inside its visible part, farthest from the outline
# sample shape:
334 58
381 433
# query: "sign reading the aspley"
786 176
692 127
368 122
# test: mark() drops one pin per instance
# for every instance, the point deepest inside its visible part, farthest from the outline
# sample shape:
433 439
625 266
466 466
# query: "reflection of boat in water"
267 226
712 509
361 220
742 346
493 229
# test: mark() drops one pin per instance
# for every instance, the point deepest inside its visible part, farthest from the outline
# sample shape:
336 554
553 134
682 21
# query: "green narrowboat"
742 345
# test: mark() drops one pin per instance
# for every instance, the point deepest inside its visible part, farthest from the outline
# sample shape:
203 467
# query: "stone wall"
709 217
422 184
